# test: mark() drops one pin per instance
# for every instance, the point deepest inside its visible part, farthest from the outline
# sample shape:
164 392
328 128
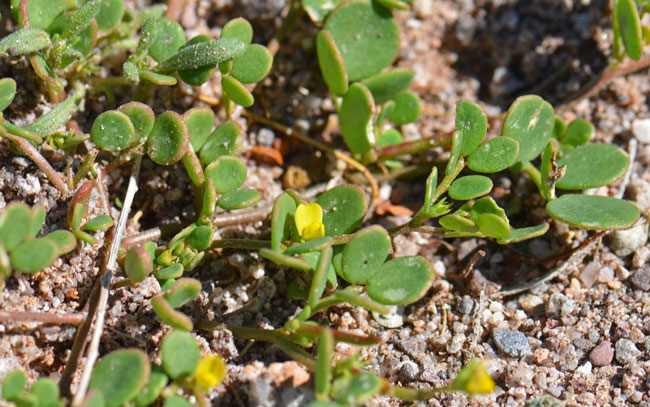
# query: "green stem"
19 131
411 147
534 175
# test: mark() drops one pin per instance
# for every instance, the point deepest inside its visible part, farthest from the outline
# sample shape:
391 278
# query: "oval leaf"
470 187
170 37
331 64
224 140
7 92
239 199
401 281
237 91
200 121
593 212
355 119
344 207
142 118
629 25
179 354
227 174
33 256
529 121
112 131
592 166
110 379
253 65
471 122
407 108
495 155
364 254
168 139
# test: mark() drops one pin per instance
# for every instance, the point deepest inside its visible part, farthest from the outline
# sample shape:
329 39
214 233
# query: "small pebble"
641 130
409 371
511 342
625 242
626 351
519 376
559 304
466 305
529 302
641 279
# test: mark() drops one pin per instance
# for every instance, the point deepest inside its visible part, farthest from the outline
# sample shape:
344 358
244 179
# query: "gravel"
511 342
602 354
626 351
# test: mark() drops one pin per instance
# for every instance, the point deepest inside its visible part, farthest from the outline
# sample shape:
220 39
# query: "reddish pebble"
602 354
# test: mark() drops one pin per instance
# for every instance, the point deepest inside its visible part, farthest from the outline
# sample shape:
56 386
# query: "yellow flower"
474 379
309 221
210 371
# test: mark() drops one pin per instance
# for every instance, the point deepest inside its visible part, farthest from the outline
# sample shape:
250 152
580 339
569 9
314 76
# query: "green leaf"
15 225
148 34
70 24
13 385
60 114
170 37
168 315
64 241
592 166
196 76
112 131
390 137
407 108
239 199
495 155
120 376
157 382
176 401
224 140
209 201
138 264
629 25
344 207
559 128
519 235
33 256
471 122
367 37
470 187
40 13
578 132
237 91
110 14
38 220
200 121
454 156
593 212
393 4
458 223
205 53
170 272
490 218
46 392
24 41
201 237
400 281
101 222
7 92
157 78
168 139
253 65
529 121
142 118
331 64
318 10
94 398
355 119
364 254
238 28
227 173
356 390
179 353
185 290
284 207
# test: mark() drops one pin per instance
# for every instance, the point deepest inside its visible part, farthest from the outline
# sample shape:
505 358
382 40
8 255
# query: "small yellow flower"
474 379
210 371
309 221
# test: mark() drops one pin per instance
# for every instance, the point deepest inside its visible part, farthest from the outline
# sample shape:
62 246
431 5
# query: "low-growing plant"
330 252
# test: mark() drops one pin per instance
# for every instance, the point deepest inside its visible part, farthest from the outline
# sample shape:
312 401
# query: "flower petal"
307 215
314 231
210 371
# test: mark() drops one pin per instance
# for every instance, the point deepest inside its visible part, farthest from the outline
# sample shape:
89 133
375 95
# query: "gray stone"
625 242
641 279
511 342
559 304
626 351
466 305
409 371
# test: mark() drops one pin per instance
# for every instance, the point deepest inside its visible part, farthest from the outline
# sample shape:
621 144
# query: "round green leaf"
168 139
470 187
13 385
227 173
629 25
110 14
64 241
492 225
364 254
385 85
201 237
344 207
112 131
578 132
33 256
46 392
200 121
142 118
559 128
40 13
239 199
137 264
238 28
237 91
529 121
390 137
331 64
224 140
356 390
7 92
355 119
180 354
518 235
592 166
407 108
169 39
120 376
400 281
253 65
367 37
185 290
471 122
458 223
15 225
198 76
593 212
495 155
157 382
